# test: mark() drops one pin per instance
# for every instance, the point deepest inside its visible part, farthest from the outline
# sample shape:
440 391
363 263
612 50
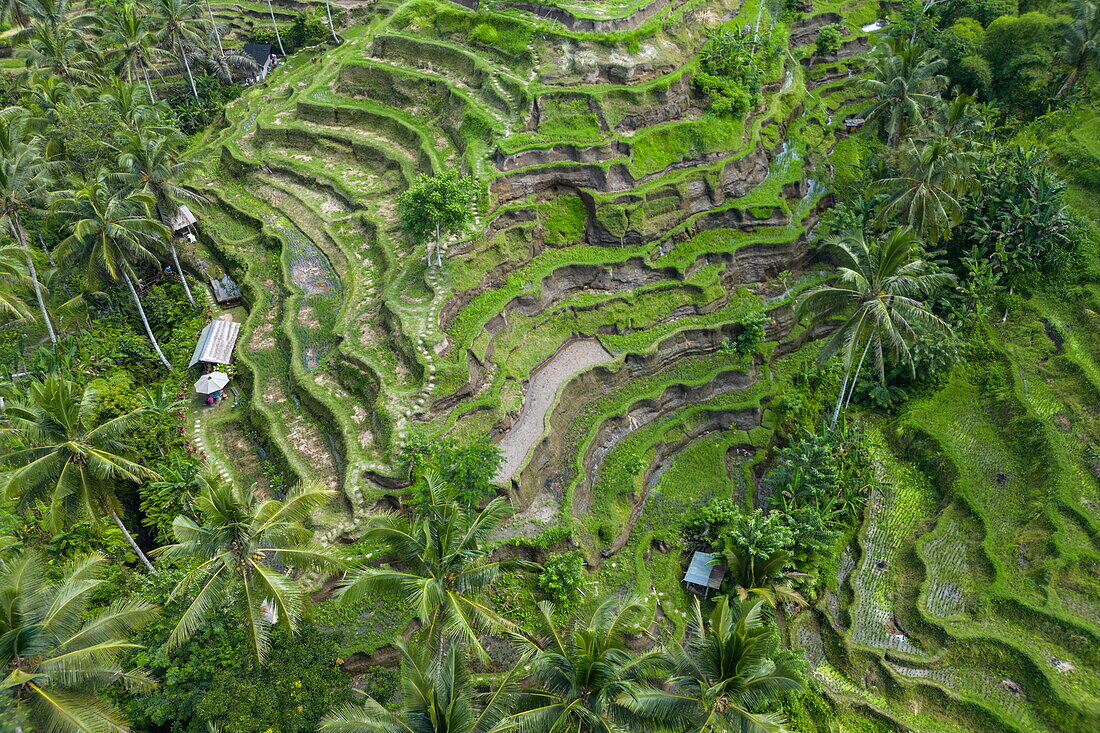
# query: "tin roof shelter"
261 54
216 343
225 290
703 577
183 219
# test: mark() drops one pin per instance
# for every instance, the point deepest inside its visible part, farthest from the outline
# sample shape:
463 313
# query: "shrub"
485 34
470 468
1023 54
263 34
306 30
829 40
1017 217
562 579
733 69
753 330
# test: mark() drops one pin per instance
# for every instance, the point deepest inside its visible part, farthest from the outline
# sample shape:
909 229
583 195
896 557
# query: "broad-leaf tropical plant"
729 668
902 80
878 294
583 678
57 653
437 696
59 449
443 565
245 551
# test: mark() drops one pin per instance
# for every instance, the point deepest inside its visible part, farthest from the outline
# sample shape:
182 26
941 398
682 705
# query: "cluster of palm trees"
110 223
64 455
244 555
135 41
879 298
582 674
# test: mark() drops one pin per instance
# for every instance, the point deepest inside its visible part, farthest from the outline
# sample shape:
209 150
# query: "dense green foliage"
886 438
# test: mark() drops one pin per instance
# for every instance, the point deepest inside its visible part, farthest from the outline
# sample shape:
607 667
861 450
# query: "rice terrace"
563 366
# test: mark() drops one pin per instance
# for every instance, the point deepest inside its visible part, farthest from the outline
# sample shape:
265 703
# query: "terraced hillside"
613 209
624 237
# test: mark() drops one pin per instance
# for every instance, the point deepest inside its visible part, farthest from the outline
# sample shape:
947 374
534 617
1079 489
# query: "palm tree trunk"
134 545
278 36
183 278
190 77
840 399
21 238
331 27
214 25
845 389
855 378
53 264
145 73
1072 78
144 320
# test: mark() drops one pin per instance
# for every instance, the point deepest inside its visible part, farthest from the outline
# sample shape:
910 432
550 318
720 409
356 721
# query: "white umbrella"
211 382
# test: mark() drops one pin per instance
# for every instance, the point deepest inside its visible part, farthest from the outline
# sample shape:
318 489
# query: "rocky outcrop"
560 154
804 30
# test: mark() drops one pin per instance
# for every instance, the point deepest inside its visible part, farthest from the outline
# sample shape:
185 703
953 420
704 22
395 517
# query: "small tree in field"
829 40
434 206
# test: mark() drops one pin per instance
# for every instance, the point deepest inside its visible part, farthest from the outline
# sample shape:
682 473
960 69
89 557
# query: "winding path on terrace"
573 358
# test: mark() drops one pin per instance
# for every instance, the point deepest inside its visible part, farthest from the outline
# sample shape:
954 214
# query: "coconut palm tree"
438 696
151 163
878 295
181 31
902 80
224 64
926 194
132 40
62 47
765 577
135 107
443 564
64 453
59 654
109 232
1082 37
728 668
242 548
25 180
15 11
960 120
583 677
13 278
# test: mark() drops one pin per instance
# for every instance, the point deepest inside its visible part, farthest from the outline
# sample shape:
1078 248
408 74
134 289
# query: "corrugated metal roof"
216 343
183 218
700 571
